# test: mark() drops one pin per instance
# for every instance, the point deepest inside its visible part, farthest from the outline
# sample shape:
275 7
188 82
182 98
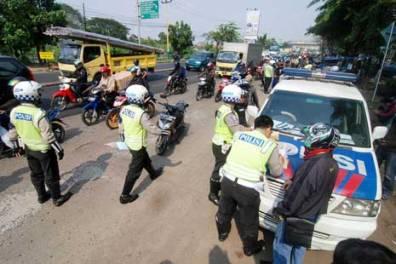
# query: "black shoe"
128 198
44 198
213 198
223 237
62 199
255 249
157 173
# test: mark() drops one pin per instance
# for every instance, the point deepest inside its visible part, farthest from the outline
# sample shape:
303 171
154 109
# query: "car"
302 98
9 69
199 60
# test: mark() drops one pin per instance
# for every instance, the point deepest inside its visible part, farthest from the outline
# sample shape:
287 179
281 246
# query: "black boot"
128 198
215 187
252 246
43 198
156 173
223 230
62 199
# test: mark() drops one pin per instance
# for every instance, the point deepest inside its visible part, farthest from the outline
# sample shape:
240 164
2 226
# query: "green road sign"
149 9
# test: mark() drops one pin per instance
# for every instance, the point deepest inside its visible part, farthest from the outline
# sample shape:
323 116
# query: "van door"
93 57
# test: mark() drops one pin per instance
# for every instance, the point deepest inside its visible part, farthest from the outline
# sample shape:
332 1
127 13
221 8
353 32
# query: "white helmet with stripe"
28 91
136 94
231 94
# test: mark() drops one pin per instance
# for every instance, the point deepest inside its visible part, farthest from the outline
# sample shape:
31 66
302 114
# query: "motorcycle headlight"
357 207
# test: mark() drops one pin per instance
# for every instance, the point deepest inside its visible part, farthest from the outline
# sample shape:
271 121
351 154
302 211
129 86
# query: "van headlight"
357 207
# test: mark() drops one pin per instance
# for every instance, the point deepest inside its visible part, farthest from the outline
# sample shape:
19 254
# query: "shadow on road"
218 256
14 178
86 172
71 133
166 262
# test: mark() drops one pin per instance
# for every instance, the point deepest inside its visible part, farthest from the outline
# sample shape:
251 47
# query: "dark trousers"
44 170
247 200
267 84
140 161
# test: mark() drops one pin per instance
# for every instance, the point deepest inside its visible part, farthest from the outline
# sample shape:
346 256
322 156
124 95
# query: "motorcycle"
204 89
175 86
224 82
112 116
95 108
67 94
172 122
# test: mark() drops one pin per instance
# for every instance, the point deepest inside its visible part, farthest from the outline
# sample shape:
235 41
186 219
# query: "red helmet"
105 69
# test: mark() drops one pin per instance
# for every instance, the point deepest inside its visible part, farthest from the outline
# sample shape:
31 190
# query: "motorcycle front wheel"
90 117
59 102
183 87
198 96
162 144
59 132
218 97
112 118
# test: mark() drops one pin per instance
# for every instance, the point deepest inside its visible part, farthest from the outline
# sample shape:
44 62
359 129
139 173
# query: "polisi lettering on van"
357 177
251 140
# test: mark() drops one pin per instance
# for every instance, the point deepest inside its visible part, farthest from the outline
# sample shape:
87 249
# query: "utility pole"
138 17
84 17
167 26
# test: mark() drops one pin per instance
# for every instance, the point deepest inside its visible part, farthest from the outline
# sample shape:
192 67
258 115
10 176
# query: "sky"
285 20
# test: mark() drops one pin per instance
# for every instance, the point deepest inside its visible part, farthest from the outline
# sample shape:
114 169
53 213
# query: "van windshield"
292 111
69 53
228 56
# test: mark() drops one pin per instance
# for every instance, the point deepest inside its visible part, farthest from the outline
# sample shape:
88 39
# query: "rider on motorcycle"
81 76
179 72
138 77
108 85
241 66
210 73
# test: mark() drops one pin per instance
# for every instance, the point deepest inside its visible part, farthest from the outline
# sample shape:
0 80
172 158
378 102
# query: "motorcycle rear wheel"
90 117
112 118
198 96
162 144
218 97
59 102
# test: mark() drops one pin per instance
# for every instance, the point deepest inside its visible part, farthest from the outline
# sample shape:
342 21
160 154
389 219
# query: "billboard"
252 24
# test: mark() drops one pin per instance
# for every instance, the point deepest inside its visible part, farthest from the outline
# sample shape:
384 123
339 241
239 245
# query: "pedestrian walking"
307 195
227 123
30 123
133 127
243 176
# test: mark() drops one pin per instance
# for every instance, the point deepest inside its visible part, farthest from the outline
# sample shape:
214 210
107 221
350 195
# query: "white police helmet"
136 94
27 91
231 94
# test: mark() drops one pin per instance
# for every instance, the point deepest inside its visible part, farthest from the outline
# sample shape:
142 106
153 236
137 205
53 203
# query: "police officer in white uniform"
31 125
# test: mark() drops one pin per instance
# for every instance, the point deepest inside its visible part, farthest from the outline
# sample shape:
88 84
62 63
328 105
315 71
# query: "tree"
74 18
223 33
23 23
108 27
352 26
180 37
266 42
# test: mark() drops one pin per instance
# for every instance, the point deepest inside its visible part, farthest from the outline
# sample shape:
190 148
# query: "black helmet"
321 135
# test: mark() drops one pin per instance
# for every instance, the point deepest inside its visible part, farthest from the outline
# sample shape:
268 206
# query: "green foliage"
224 33
22 23
352 26
180 37
108 27
266 42
74 18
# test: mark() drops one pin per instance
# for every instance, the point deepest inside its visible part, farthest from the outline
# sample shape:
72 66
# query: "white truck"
228 57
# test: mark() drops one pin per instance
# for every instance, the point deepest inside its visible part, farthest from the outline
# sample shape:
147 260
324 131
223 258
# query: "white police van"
303 98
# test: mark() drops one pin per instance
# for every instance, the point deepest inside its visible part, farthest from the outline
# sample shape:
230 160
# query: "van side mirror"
379 132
